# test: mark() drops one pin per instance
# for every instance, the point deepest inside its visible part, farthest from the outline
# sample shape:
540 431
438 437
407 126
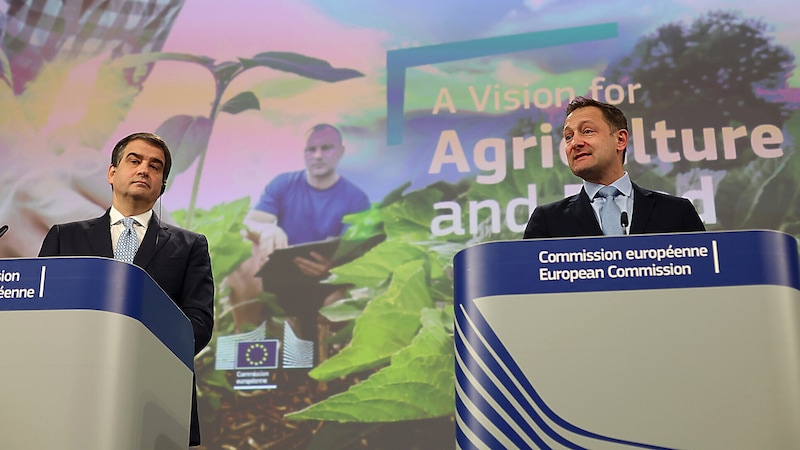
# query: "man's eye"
567 137
155 167
588 131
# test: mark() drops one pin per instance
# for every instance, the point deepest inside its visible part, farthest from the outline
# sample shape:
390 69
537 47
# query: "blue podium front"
93 355
648 341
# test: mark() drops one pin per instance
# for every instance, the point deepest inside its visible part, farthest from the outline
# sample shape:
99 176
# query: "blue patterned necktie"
610 215
128 242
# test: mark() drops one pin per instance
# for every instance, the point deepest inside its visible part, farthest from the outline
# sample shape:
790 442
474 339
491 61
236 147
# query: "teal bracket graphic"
397 61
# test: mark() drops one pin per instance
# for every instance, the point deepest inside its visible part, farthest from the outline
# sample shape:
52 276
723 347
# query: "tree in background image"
722 70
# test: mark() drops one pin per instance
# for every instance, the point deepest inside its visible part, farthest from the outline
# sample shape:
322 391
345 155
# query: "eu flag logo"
257 354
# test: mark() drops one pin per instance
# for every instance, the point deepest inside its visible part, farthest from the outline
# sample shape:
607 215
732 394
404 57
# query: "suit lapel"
98 234
642 208
580 212
153 242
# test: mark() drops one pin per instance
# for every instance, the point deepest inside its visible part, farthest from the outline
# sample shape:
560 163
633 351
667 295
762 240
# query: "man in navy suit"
596 136
175 258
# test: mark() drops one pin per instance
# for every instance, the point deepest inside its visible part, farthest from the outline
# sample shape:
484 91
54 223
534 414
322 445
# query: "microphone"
3 230
623 220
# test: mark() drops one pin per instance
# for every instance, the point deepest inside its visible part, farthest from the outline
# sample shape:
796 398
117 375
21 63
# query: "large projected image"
337 155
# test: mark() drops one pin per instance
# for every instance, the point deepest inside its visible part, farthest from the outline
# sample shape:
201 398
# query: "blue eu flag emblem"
257 354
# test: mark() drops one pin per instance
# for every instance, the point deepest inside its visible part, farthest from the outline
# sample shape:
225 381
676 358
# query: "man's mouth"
580 156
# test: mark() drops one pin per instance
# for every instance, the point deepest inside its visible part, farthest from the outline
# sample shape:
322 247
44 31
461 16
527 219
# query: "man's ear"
110 177
622 139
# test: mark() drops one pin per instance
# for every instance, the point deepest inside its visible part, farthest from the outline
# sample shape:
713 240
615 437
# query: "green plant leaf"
418 384
377 264
344 310
188 138
241 102
302 65
221 225
410 218
363 225
388 324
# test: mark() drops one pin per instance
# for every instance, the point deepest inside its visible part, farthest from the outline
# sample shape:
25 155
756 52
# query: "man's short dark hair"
151 138
613 116
324 126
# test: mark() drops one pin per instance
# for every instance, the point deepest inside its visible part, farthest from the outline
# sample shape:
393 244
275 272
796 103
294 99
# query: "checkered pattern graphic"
128 242
34 32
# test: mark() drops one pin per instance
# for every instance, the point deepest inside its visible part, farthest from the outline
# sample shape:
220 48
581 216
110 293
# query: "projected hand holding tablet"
296 263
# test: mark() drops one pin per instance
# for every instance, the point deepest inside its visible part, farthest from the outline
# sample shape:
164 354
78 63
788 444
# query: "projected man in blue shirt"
295 208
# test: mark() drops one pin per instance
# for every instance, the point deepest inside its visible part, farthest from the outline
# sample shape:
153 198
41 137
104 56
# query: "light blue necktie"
610 215
128 242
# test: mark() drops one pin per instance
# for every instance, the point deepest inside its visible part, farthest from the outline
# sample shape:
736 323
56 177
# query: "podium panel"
94 355
651 341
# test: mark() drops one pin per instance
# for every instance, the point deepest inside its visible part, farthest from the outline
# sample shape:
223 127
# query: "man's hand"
272 237
266 238
316 267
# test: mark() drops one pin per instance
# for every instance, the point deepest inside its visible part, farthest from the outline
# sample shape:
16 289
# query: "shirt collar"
623 184
142 219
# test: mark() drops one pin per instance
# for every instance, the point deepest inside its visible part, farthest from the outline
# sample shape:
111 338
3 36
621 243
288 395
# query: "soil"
254 420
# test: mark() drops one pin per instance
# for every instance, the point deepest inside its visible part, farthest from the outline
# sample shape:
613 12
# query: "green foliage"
397 309
764 194
351 308
418 383
401 307
377 264
410 218
364 230
302 65
441 276
222 226
242 102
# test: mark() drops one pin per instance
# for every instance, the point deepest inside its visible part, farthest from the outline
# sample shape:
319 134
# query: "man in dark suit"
175 258
596 136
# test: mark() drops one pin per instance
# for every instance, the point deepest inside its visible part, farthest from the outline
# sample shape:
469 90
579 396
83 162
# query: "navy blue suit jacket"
653 212
175 258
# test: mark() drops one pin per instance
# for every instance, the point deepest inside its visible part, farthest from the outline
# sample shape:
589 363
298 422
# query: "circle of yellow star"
264 354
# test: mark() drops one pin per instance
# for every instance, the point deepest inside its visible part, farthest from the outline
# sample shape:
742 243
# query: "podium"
649 341
93 355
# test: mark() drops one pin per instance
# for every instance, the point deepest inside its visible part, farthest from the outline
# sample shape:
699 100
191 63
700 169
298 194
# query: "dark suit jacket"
175 258
653 212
